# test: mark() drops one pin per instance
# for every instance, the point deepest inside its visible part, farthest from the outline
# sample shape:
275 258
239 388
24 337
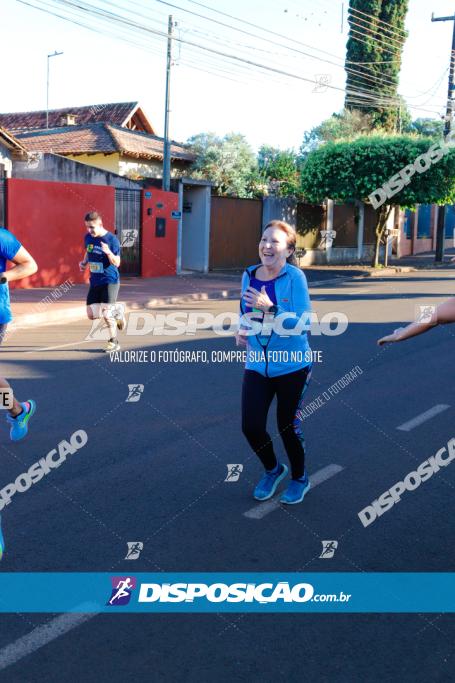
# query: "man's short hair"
92 216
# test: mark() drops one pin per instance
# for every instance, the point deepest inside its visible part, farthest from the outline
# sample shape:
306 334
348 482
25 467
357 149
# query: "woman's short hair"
291 237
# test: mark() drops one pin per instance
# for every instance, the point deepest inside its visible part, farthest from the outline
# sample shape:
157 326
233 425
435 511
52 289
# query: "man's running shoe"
119 315
112 345
2 540
296 491
19 424
267 485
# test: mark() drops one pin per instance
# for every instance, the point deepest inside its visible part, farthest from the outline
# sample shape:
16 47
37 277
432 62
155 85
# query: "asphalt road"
153 471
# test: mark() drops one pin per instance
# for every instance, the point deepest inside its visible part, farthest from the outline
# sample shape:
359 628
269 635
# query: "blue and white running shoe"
19 424
296 491
269 482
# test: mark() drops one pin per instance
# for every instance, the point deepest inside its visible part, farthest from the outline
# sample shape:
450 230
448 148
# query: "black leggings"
257 395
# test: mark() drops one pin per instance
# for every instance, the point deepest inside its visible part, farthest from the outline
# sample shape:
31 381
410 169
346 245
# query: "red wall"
159 254
48 218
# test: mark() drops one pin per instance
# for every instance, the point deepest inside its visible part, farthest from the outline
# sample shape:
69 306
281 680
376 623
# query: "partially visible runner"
440 315
102 253
24 265
277 365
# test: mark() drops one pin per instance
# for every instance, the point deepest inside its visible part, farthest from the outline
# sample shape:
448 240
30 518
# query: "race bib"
96 267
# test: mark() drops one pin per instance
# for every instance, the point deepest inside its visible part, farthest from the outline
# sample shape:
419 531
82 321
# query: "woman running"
278 359
441 315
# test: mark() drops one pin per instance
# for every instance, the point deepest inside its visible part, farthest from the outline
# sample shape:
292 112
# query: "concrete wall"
338 255
124 165
48 218
279 208
5 159
159 254
195 228
415 244
55 168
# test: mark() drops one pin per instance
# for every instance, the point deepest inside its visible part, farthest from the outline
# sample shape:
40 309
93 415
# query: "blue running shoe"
296 491
267 485
19 424
2 541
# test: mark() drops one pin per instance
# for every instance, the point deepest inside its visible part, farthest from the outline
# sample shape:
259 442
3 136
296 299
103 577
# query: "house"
114 137
94 157
10 148
109 147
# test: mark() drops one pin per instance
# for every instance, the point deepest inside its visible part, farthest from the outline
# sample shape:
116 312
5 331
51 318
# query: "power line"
362 33
368 26
363 75
108 15
372 77
186 42
386 23
230 16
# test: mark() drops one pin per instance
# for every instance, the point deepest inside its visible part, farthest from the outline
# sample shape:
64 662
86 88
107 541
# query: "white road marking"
263 509
42 635
61 346
420 419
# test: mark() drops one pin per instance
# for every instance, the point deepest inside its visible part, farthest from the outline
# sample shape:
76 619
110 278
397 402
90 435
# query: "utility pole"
54 54
440 236
167 146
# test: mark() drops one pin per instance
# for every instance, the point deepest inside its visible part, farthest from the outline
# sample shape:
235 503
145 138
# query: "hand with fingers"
256 299
390 338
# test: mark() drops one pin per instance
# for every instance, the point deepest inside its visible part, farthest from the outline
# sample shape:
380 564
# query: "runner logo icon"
134 550
328 549
234 472
122 587
129 238
135 392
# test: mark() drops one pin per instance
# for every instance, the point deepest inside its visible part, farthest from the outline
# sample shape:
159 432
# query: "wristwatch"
273 309
3 280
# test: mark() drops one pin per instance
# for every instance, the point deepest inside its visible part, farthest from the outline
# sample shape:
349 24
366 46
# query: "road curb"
79 313
380 272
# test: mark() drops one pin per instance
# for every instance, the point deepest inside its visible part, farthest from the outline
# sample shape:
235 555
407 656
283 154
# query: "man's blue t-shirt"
102 272
9 246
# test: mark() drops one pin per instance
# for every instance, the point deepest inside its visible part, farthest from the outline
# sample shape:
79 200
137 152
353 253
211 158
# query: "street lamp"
54 54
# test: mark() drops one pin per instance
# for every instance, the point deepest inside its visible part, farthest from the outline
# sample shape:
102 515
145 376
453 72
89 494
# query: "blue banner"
227 592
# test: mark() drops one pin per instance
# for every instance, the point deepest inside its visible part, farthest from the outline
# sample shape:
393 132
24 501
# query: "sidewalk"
50 305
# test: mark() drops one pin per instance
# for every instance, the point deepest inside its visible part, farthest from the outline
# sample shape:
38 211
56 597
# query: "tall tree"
354 171
347 125
373 59
228 162
280 171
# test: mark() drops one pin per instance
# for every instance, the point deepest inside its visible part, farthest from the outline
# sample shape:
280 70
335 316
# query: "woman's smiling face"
273 248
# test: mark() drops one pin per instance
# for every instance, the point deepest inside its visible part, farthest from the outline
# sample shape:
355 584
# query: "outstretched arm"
24 266
442 315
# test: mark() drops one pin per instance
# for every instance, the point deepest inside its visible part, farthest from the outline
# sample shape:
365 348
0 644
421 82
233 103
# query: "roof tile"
115 113
100 138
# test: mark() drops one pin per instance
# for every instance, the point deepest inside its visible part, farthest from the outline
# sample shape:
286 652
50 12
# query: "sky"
211 92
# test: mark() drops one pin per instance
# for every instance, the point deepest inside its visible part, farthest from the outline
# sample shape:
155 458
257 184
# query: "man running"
11 249
19 414
102 253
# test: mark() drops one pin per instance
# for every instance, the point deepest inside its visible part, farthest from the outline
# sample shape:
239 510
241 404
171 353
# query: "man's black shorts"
103 294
